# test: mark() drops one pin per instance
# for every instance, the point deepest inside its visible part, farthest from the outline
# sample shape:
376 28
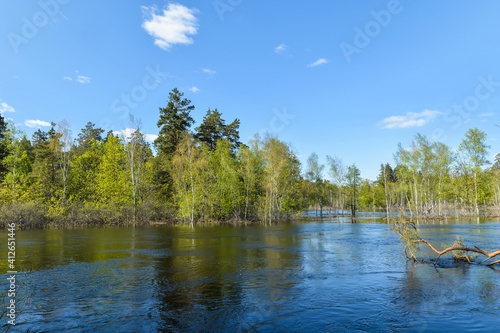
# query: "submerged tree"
353 181
386 177
337 172
280 181
411 239
315 175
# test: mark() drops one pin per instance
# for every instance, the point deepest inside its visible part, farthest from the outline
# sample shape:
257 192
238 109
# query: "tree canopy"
207 174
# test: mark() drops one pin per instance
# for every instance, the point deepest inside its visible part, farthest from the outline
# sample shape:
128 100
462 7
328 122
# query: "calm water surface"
295 277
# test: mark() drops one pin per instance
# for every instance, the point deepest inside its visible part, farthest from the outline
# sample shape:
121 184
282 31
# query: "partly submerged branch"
409 235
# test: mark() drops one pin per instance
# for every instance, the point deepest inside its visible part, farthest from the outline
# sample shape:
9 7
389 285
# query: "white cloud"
127 133
172 26
280 48
36 123
194 89
486 114
4 107
209 71
83 79
150 137
411 119
318 62
68 78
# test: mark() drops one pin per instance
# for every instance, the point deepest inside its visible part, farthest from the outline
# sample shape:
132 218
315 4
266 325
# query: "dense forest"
206 174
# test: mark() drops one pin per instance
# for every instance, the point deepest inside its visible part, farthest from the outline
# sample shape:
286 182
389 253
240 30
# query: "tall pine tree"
175 121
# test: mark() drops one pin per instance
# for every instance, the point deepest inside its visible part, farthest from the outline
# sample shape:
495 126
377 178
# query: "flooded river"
308 276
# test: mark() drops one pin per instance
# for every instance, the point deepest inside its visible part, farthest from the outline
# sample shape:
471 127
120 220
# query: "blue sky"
343 78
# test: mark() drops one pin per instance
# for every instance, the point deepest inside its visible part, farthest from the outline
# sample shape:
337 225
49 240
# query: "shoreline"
65 224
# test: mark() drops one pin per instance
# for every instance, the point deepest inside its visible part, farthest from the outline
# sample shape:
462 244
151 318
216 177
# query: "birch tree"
337 172
315 175
137 153
475 150
63 147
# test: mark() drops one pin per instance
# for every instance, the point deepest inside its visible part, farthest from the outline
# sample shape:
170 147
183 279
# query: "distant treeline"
207 174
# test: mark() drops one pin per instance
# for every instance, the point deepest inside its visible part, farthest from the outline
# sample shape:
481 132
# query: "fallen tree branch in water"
410 237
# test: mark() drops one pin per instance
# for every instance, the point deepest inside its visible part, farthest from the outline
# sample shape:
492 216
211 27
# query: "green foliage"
87 136
188 171
496 164
251 171
281 180
83 175
337 172
353 184
315 175
386 175
475 148
112 183
3 147
474 155
209 175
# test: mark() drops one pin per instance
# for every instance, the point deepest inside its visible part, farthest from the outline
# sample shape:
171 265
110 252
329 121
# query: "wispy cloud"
209 71
172 26
78 78
280 48
36 123
194 89
4 107
83 79
411 119
318 62
486 114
